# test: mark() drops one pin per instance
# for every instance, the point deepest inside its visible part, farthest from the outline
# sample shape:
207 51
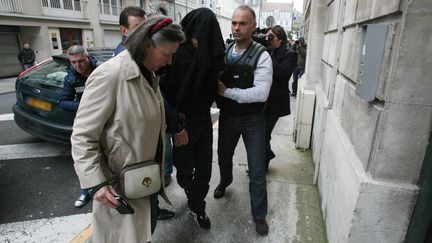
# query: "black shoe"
201 219
261 227
167 180
293 95
219 191
163 214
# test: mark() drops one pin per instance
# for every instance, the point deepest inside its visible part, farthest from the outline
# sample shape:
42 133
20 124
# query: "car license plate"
37 103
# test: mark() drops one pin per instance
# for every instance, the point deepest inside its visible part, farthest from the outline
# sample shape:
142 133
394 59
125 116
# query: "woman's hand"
105 195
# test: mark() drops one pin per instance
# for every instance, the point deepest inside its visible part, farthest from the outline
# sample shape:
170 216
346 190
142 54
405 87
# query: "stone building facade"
368 67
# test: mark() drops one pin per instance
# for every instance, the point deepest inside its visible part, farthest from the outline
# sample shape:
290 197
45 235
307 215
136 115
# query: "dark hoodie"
190 83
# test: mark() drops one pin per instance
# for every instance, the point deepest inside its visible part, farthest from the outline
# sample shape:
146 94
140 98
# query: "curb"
84 236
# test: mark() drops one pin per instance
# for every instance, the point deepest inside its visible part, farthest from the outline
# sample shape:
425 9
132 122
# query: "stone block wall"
369 154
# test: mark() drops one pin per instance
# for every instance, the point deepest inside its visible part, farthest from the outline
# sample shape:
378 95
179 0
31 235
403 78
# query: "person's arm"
97 106
33 56
261 85
67 96
284 66
175 124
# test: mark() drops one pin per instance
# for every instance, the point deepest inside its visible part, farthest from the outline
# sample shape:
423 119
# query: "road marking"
33 150
58 229
7 117
84 235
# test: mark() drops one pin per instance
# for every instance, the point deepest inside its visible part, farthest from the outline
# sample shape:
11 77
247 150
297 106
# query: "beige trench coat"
121 116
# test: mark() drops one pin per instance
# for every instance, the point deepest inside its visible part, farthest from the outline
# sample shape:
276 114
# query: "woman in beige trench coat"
119 123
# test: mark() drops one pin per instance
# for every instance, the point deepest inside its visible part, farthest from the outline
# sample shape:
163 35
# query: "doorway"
70 37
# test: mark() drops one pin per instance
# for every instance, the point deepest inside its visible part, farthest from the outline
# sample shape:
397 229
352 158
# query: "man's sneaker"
82 200
261 227
219 191
201 219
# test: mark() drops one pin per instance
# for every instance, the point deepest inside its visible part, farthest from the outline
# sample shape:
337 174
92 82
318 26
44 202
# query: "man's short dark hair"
130 11
251 11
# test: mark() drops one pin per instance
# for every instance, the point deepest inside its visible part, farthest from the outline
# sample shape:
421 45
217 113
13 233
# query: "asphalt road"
35 182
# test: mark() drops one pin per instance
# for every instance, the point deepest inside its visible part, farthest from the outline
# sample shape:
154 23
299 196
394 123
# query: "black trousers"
270 120
193 161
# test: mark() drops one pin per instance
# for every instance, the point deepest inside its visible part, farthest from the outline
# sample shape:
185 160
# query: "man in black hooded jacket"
190 87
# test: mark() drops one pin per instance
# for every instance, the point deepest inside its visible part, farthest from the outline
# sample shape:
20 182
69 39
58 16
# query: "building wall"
37 25
222 9
369 154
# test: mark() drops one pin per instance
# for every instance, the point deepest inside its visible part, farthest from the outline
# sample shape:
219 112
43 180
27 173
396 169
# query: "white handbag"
140 180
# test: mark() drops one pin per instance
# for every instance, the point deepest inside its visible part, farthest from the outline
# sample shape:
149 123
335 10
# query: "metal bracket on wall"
372 55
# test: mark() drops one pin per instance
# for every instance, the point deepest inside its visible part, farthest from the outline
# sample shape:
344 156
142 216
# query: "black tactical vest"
240 74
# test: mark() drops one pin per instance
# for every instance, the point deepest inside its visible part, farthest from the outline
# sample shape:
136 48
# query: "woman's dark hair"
140 38
279 32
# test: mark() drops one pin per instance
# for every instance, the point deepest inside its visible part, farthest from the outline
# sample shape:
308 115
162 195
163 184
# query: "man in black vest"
243 88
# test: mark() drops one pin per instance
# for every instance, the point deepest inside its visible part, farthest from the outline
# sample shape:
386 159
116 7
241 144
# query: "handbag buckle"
147 181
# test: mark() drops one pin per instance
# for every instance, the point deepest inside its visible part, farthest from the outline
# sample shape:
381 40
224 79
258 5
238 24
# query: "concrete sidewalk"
294 213
7 85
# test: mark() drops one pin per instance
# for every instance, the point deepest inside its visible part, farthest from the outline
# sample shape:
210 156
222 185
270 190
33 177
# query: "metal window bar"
61 4
110 7
13 6
77 5
67 4
55 4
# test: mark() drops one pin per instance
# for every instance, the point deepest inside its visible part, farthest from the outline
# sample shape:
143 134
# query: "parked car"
37 93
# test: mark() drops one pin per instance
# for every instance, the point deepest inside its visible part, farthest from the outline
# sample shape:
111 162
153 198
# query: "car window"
51 73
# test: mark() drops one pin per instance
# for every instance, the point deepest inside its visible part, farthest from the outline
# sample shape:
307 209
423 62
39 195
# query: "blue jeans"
298 72
168 155
252 130
84 192
270 121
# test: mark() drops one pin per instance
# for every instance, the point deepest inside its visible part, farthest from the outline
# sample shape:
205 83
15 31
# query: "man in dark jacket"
80 68
130 17
190 88
278 101
26 56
